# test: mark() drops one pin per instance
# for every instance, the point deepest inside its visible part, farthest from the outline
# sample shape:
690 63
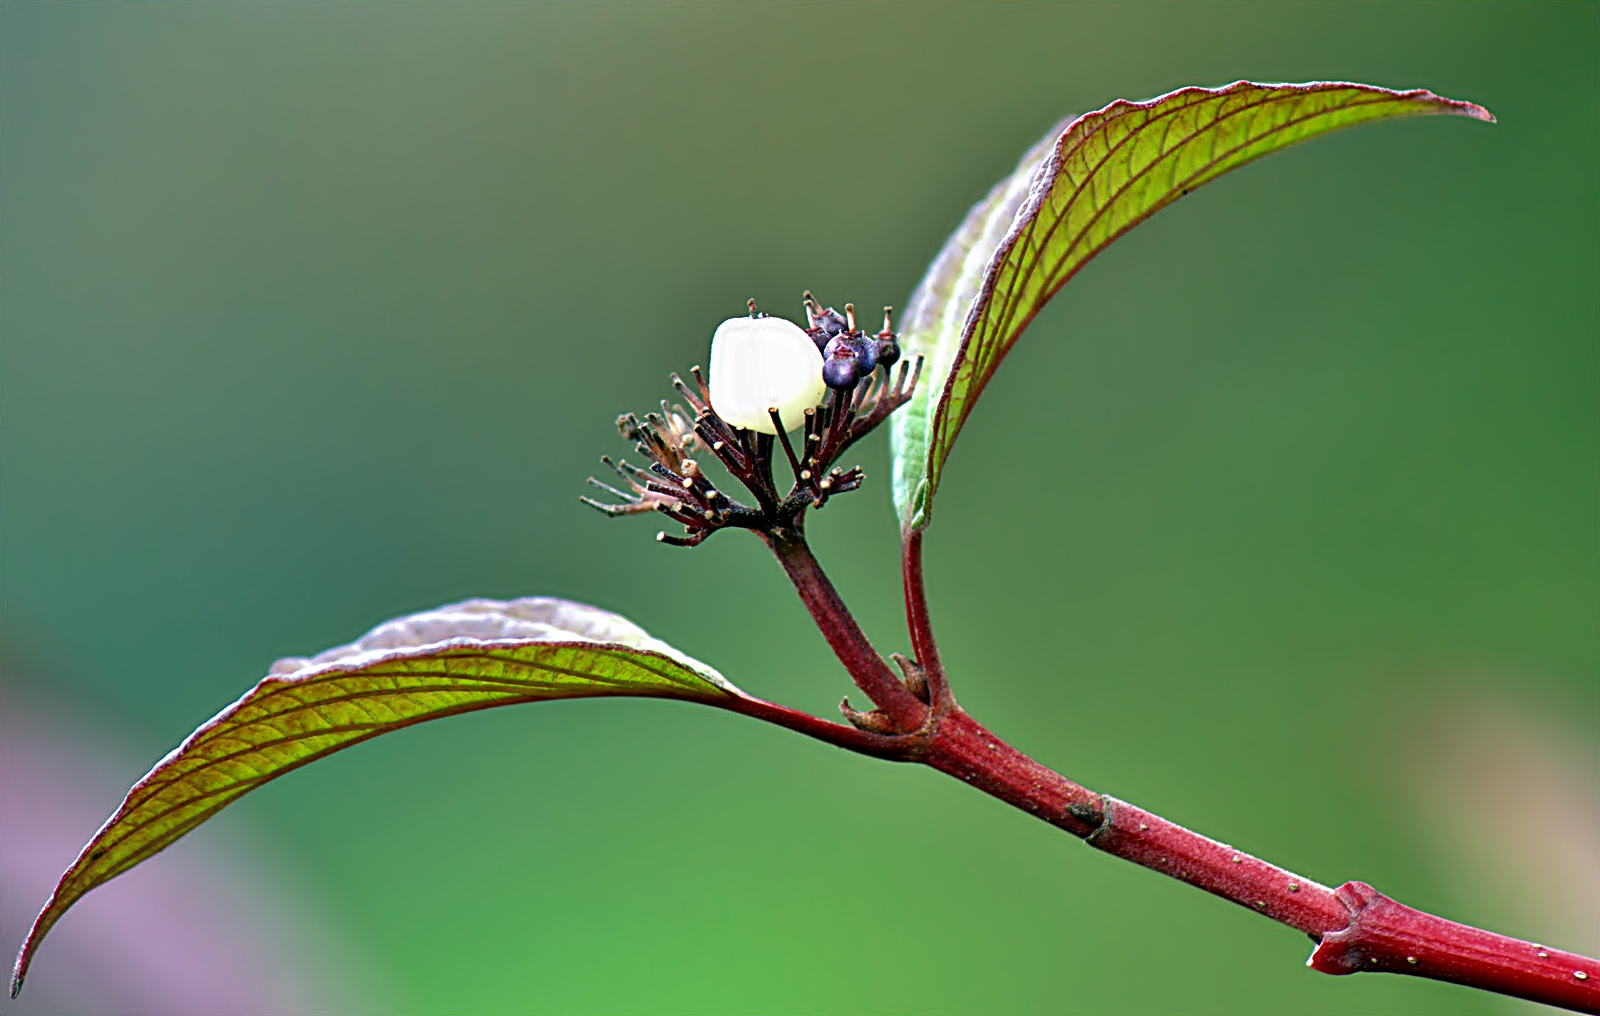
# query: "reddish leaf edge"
1037 194
728 697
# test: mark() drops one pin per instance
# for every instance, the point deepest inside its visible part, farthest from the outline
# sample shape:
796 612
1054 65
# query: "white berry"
762 363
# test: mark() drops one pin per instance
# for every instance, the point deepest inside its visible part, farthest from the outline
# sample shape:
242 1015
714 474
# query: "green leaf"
1073 194
456 659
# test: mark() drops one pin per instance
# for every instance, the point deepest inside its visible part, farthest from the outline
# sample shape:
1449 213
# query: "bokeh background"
1281 522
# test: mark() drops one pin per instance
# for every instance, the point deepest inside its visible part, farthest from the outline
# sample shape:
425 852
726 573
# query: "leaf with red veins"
456 659
1087 183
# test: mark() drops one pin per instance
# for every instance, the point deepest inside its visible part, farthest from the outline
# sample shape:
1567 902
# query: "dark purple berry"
840 368
888 351
828 322
840 372
866 354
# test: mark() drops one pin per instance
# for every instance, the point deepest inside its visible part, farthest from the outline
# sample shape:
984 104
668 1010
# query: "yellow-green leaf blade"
1104 174
459 658
931 326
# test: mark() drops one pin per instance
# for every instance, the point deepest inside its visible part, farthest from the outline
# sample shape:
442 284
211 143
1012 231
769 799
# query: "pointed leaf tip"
456 659
1088 182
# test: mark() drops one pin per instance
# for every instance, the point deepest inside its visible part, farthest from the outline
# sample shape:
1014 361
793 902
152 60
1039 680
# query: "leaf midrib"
992 331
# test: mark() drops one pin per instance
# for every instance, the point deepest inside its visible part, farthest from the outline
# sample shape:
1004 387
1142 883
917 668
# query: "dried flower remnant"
770 363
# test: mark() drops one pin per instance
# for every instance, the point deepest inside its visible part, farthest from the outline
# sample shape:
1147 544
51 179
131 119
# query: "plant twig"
849 642
918 621
894 747
1356 927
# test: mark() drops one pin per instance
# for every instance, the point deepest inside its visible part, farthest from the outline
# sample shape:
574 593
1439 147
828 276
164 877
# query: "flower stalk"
899 704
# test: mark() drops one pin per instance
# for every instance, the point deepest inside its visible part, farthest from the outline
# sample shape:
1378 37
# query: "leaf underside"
1088 182
459 658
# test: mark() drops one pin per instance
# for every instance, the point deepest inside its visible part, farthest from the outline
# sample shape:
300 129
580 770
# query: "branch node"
874 722
915 677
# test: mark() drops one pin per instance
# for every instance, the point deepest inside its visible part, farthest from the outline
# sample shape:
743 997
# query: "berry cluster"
848 354
858 398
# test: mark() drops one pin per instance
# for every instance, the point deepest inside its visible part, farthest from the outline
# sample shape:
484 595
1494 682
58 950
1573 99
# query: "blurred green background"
1281 520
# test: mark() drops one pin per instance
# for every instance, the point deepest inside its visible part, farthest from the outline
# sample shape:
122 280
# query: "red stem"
962 748
1356 927
849 642
863 742
1388 936
917 620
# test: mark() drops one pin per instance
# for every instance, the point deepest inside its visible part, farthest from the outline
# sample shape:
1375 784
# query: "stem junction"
1356 928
